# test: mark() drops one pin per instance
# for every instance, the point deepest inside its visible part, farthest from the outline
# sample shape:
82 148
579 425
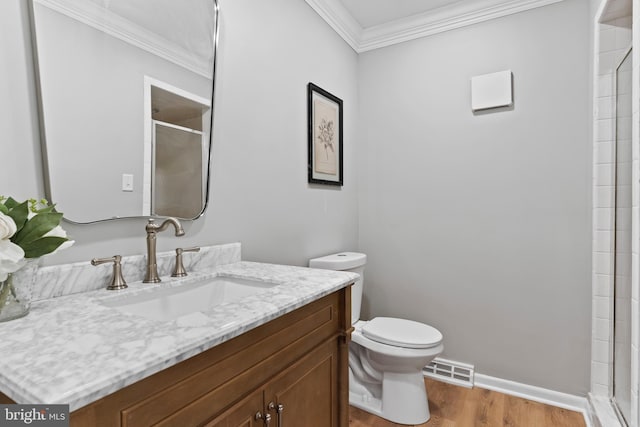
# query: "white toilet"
386 355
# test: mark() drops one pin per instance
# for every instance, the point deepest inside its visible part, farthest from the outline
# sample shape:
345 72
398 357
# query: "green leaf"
11 203
37 227
4 209
42 246
46 209
19 213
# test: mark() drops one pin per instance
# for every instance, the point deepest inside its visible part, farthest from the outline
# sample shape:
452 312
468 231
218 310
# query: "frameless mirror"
126 96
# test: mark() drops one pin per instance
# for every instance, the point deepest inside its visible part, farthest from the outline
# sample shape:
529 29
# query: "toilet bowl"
386 355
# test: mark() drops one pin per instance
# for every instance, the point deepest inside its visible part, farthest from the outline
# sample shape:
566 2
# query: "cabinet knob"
279 408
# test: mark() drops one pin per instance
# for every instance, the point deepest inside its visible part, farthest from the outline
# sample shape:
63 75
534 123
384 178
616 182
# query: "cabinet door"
247 413
306 394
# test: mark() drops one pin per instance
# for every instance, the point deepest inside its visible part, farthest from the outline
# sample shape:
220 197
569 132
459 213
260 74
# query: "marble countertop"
75 350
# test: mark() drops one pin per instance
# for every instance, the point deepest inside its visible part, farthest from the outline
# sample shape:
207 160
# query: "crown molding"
443 19
339 18
439 20
114 25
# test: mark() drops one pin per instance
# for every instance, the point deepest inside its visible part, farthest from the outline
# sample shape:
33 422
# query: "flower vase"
15 291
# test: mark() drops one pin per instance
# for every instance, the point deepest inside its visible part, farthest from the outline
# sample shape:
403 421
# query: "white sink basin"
170 303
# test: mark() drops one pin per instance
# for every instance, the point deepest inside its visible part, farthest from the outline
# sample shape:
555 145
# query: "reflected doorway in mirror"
175 151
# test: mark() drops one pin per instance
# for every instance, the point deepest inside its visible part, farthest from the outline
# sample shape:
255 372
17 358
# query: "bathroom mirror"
126 105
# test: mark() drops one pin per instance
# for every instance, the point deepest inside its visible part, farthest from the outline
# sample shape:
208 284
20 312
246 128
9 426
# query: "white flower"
11 258
58 231
7 226
11 255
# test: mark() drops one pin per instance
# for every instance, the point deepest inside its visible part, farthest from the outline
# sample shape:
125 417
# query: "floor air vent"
450 372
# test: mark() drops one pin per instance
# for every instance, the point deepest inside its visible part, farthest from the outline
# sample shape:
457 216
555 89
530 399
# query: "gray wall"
269 51
480 224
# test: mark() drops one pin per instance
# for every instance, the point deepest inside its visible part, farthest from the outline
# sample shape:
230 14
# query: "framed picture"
324 116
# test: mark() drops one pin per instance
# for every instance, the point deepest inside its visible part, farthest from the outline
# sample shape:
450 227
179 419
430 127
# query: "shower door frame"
616 25
621 418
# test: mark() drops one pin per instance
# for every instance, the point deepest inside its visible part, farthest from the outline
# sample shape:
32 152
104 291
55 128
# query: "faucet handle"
117 281
179 270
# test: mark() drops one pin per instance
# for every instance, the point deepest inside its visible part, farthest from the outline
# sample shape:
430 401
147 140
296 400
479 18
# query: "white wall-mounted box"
492 90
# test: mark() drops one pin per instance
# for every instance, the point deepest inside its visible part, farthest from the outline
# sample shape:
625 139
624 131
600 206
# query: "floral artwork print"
325 136
325 116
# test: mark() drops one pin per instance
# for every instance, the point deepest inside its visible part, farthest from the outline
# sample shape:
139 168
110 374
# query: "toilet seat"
401 333
390 350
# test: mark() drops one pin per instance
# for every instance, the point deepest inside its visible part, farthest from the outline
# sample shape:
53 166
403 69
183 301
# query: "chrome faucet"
152 229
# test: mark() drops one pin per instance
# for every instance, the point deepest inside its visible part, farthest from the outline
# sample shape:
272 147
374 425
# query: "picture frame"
325 143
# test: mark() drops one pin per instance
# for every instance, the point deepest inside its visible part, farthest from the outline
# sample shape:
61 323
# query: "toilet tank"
346 261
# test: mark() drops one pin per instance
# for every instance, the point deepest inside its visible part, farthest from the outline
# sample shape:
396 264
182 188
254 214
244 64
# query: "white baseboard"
537 394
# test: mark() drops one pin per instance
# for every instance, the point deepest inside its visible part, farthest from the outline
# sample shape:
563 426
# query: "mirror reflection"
126 100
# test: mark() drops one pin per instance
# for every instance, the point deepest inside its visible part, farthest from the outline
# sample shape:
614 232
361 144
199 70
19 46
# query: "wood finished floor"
453 406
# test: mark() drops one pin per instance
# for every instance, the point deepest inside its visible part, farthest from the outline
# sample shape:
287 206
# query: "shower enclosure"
621 375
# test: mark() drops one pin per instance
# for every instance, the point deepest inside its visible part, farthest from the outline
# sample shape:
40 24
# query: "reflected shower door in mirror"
176 177
126 95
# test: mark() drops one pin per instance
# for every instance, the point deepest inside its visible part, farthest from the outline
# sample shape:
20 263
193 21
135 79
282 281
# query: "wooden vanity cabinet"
301 395
247 413
297 362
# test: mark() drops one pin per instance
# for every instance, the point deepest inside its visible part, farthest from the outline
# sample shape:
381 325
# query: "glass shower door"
622 272
178 175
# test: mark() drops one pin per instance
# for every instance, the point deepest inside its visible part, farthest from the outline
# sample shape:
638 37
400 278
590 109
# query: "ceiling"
372 24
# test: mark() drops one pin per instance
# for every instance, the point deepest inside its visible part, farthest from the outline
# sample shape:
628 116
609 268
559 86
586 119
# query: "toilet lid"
401 333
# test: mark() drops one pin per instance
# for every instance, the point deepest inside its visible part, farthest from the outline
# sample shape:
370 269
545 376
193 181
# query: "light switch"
127 182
